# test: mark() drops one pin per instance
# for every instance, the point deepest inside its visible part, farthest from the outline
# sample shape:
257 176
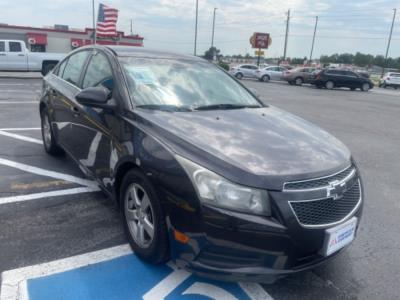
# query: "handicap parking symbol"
127 277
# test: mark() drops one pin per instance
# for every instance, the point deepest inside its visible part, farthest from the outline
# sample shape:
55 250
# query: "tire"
298 81
329 85
47 67
151 248
352 89
365 87
239 75
49 140
265 78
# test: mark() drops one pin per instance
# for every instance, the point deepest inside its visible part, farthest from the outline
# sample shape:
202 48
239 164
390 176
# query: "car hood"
261 143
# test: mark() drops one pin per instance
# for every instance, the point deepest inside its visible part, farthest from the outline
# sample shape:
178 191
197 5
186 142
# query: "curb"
21 75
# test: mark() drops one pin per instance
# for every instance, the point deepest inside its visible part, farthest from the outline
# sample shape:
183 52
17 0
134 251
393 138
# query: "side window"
244 67
2 46
352 74
73 69
253 67
98 73
61 68
15 46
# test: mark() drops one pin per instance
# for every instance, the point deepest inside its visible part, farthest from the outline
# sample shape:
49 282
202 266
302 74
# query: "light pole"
213 29
390 38
313 39
195 28
94 24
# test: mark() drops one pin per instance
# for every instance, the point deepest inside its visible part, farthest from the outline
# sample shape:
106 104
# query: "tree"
379 60
211 53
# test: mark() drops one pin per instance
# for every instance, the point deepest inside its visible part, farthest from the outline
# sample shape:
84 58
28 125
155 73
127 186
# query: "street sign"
259 53
260 40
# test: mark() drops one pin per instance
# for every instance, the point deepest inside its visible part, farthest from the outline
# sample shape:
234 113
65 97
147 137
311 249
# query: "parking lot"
53 221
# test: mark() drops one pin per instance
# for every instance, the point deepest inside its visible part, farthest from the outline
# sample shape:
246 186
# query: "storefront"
62 39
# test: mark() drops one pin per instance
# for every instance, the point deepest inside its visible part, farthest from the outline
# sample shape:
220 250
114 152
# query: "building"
59 38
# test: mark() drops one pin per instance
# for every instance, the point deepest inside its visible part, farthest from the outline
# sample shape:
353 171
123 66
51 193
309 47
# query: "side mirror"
95 97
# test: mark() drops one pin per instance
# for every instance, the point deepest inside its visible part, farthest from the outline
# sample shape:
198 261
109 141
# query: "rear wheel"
329 85
352 89
49 141
265 78
298 81
365 87
239 75
143 218
47 67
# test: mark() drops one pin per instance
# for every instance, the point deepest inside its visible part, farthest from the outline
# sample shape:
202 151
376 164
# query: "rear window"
15 47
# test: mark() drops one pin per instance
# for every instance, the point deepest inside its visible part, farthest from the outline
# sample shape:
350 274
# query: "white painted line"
255 291
44 172
13 279
72 191
20 129
21 137
18 102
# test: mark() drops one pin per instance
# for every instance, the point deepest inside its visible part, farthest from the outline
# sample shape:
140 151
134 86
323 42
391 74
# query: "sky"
343 25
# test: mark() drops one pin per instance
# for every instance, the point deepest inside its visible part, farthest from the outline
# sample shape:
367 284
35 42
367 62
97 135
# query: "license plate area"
339 236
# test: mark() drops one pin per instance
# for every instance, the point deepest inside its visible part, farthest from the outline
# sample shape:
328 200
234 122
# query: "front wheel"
298 81
239 75
329 85
365 87
49 141
143 218
265 78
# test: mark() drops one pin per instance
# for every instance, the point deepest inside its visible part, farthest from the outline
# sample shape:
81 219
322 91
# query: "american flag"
107 21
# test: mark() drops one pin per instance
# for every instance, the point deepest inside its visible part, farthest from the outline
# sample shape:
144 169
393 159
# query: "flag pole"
94 24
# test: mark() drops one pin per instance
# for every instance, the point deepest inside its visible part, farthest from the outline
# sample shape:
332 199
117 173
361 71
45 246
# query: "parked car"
331 78
244 71
203 172
14 56
270 73
390 79
298 76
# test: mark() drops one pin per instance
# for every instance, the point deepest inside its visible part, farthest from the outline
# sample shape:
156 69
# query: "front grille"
327 211
318 182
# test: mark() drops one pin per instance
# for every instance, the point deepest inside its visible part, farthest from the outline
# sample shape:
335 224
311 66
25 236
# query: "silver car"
244 71
270 73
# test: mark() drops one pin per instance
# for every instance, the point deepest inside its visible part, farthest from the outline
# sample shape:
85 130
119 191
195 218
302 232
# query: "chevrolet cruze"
203 172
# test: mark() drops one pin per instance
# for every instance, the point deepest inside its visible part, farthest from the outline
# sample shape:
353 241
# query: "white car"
244 71
390 79
14 56
270 73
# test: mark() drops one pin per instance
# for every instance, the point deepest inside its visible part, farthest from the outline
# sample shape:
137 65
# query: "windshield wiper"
224 106
164 107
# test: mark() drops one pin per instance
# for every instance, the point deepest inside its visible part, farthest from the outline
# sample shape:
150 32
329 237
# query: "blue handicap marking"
127 277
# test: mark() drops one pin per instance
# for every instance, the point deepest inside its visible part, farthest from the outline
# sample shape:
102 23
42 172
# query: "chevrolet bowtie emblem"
335 189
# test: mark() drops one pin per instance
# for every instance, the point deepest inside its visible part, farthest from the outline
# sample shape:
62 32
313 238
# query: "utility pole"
213 29
286 34
94 24
390 39
313 39
131 26
195 28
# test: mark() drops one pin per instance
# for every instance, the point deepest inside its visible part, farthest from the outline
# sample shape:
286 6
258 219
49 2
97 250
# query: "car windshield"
395 74
183 84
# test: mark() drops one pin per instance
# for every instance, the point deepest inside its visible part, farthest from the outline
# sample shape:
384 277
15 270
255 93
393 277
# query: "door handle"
75 111
21 54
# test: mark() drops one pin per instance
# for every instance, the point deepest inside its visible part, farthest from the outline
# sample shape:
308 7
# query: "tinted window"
333 72
2 46
74 67
352 74
15 46
98 72
245 67
253 67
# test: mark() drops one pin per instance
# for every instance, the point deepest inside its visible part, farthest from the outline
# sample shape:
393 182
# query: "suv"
298 76
390 79
247 71
331 78
270 73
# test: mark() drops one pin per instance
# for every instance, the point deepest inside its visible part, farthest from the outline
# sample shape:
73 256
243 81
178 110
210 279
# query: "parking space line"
18 102
13 283
72 191
48 173
20 129
21 137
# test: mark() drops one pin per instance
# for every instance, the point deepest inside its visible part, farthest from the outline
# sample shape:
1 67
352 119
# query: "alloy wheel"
329 85
139 215
365 87
46 131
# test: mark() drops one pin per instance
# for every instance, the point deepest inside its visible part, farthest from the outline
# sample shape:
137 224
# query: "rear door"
16 57
3 55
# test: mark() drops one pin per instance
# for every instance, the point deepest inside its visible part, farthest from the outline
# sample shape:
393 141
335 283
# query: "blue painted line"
125 277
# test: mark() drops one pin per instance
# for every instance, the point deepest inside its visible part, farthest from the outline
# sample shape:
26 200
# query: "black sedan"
203 172
336 78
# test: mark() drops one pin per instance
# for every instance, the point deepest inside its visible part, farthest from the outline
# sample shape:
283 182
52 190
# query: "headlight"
218 191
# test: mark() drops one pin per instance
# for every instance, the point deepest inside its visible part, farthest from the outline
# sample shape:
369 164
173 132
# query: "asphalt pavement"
40 224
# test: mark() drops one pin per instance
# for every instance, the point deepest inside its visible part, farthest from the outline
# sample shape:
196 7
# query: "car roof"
140 52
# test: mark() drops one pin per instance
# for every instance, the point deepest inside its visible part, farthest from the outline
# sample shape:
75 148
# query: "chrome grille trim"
348 177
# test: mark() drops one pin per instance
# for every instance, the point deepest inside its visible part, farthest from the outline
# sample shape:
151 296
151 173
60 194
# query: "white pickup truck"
14 56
